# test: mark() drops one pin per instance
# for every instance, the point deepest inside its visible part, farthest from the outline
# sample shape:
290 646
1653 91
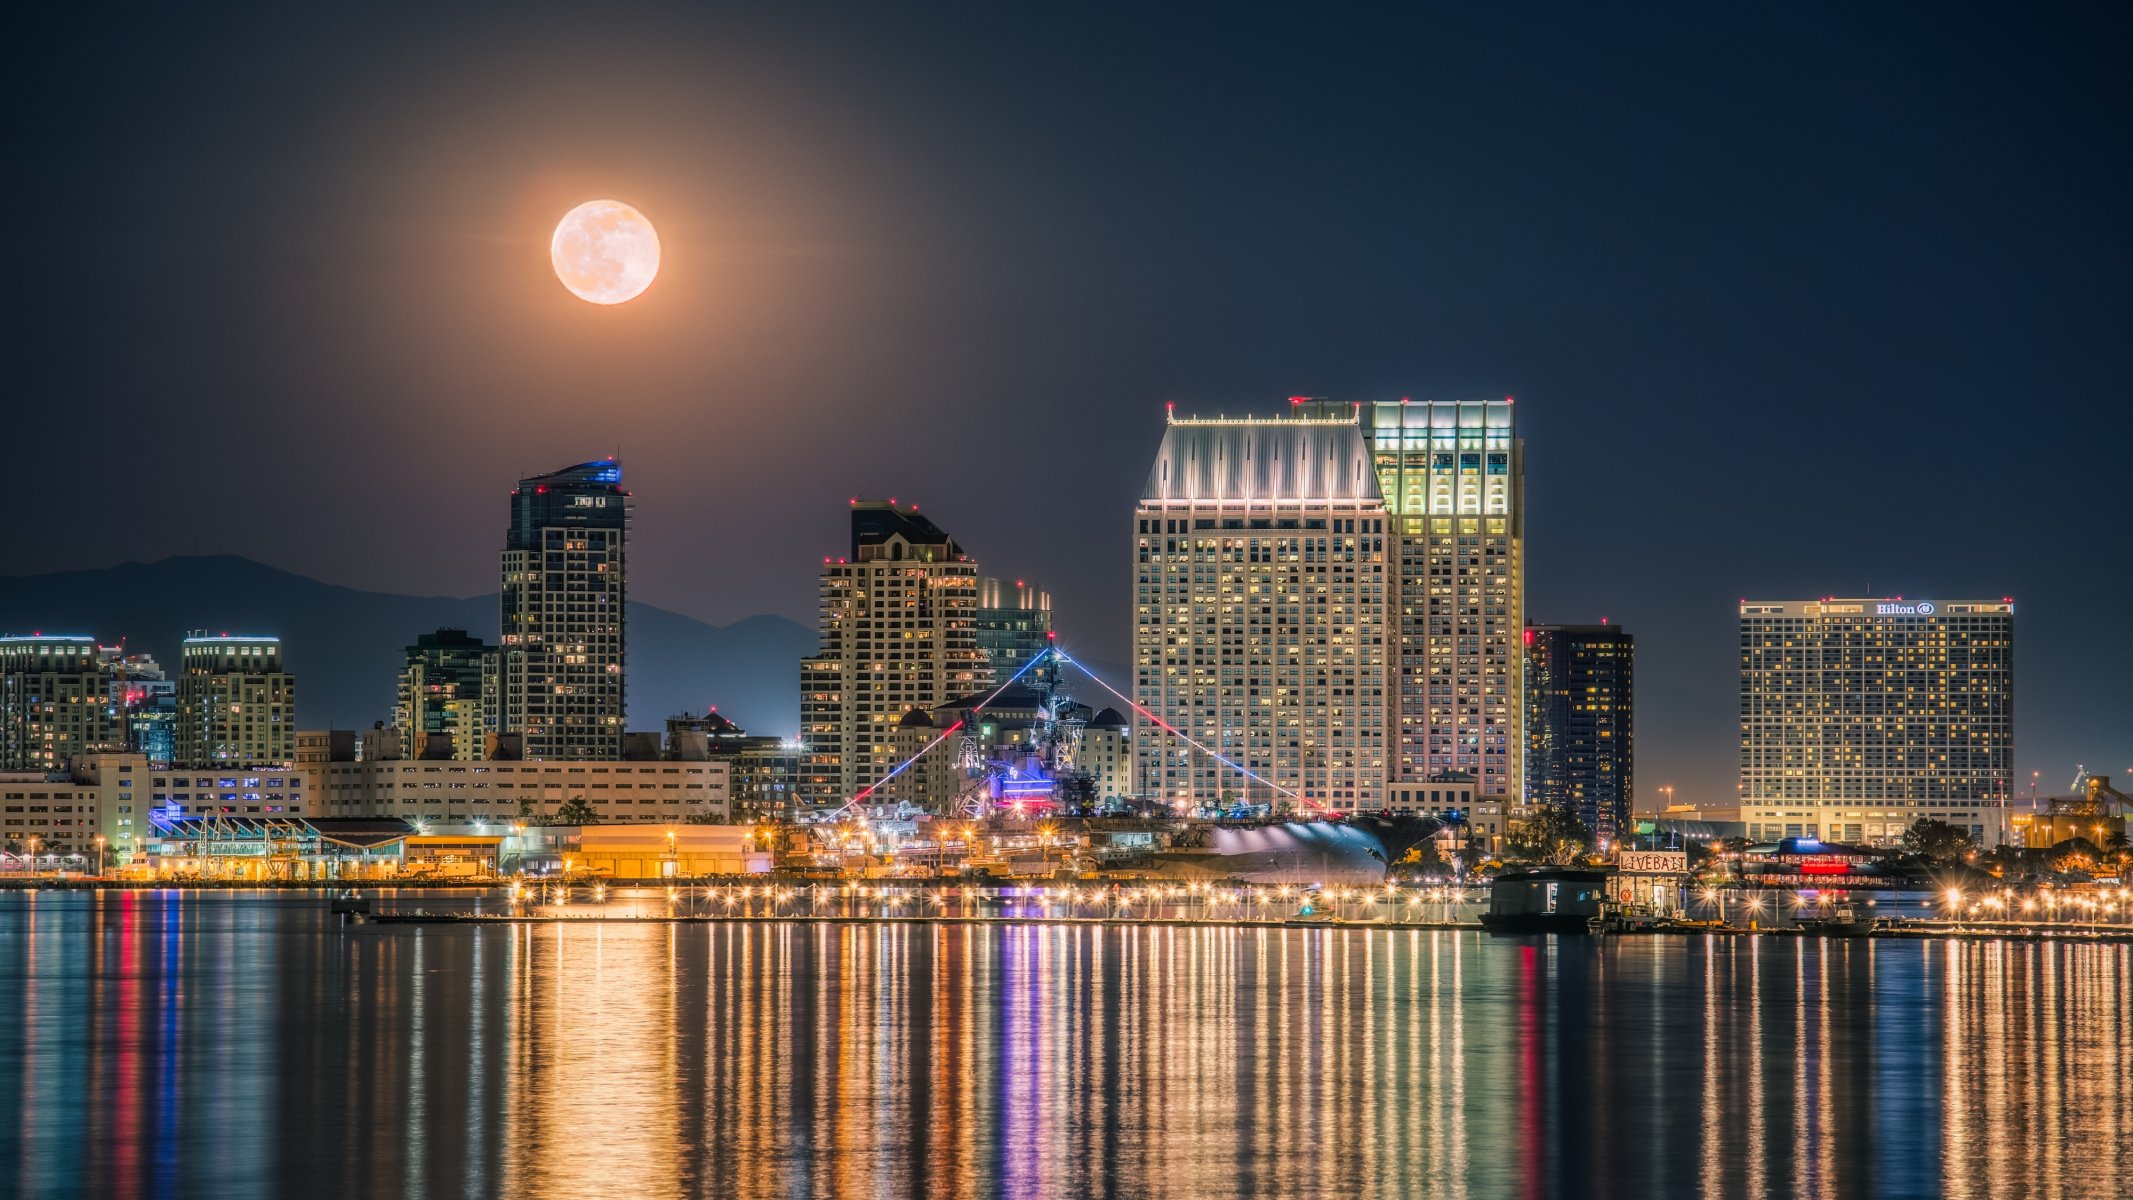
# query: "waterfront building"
1260 616
55 693
1452 477
307 848
450 696
1580 726
434 791
236 705
104 803
563 602
898 628
1014 625
1860 716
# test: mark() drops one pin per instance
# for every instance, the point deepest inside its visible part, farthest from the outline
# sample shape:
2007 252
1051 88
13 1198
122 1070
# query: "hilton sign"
1904 610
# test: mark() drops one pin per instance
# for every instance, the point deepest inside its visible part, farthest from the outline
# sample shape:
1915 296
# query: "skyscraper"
564 598
55 701
1014 624
1580 728
1259 624
144 703
449 690
899 632
1860 716
1452 475
236 705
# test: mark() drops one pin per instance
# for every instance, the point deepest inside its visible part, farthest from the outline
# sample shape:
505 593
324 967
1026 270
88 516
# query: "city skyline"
1751 341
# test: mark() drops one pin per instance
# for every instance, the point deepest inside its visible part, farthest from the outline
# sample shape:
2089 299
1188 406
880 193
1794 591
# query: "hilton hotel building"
1859 717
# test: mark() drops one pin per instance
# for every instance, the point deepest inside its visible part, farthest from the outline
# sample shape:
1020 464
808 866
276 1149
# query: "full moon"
605 252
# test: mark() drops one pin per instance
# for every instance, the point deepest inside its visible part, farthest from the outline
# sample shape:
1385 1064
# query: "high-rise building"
1014 623
55 701
899 632
449 695
236 705
1259 624
1580 727
144 703
1452 475
1860 716
564 598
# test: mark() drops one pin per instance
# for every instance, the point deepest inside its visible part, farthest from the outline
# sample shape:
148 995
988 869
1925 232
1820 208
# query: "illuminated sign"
1656 862
1924 609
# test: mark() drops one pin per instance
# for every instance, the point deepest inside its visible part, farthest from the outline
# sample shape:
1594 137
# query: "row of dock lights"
1209 900
2105 905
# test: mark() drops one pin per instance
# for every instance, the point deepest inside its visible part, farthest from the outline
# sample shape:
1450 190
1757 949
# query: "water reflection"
249 1045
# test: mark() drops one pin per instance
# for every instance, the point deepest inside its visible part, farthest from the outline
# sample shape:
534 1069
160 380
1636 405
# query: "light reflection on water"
160 1044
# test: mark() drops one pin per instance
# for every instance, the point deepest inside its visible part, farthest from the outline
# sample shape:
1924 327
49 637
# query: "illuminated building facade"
1580 727
1860 716
1103 751
1014 622
899 632
1260 597
564 596
449 695
236 705
144 702
55 701
1452 476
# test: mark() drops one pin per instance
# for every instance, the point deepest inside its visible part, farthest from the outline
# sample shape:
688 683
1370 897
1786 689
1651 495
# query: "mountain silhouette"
346 646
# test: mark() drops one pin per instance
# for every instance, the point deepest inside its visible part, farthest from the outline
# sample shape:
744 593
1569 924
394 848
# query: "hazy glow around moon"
605 251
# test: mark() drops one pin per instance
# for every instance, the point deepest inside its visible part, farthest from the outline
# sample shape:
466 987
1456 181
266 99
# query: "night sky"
1795 300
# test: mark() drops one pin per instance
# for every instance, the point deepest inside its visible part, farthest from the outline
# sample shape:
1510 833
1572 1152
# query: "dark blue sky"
1796 299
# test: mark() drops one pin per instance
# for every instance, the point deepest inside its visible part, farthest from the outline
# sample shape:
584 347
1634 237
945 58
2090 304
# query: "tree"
2075 855
1936 841
1553 834
576 812
1425 858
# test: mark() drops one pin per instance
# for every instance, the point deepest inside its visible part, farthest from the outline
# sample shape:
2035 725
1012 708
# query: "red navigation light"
1603 620
541 490
892 502
1510 400
1298 399
855 499
1051 635
1018 583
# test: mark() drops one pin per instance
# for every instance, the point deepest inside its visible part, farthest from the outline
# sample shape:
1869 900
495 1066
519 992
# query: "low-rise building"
1452 797
1852 822
441 792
